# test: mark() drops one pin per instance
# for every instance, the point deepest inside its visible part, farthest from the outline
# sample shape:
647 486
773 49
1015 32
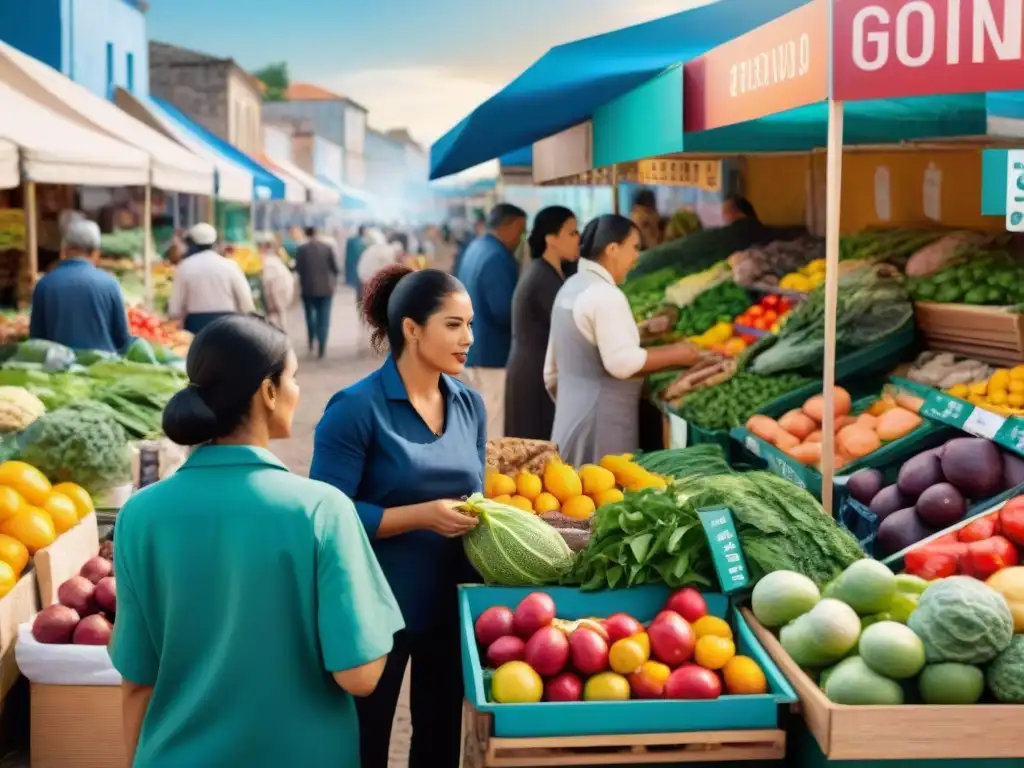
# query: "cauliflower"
18 408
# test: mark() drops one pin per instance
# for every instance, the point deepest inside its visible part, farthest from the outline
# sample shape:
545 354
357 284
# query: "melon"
960 619
867 586
514 548
822 636
854 683
891 649
782 596
951 684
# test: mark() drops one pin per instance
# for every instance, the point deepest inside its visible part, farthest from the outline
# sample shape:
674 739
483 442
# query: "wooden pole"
615 189
833 190
147 245
31 231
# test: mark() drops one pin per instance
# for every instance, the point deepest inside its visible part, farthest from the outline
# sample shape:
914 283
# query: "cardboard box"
64 558
16 607
76 726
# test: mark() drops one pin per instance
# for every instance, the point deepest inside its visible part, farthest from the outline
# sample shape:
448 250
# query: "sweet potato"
814 437
808 454
798 423
867 420
815 406
912 403
764 427
896 422
784 441
857 441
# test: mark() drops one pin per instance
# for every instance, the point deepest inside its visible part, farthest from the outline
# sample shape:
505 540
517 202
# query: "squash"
857 441
896 423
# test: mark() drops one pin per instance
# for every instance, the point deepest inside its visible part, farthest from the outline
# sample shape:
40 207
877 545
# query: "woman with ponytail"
554 248
405 444
251 610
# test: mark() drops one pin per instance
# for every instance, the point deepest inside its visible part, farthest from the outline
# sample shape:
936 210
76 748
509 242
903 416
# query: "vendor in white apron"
595 365
207 285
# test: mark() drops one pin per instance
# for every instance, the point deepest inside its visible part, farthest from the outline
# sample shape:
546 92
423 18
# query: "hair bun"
189 420
376 294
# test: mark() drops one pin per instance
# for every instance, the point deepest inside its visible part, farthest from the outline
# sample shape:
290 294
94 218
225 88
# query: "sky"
422 65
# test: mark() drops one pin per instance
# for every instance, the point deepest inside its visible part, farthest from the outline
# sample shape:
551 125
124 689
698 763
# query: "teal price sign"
939 406
726 551
1007 432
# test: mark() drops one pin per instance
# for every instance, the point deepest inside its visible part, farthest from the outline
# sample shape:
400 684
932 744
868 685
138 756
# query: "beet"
93 630
77 592
105 595
941 506
901 529
865 485
1013 470
55 625
96 568
974 466
921 472
887 501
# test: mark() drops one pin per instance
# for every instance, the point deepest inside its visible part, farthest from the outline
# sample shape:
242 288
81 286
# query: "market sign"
1015 190
726 552
702 174
885 49
774 68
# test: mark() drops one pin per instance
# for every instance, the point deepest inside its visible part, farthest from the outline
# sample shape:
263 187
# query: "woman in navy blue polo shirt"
404 444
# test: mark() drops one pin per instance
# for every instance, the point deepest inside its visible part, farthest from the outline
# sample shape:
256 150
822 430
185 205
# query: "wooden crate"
483 750
76 726
908 732
985 333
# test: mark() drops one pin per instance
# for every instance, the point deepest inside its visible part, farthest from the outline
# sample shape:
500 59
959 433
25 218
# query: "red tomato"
762 324
748 338
743 319
1011 519
984 558
930 564
770 316
979 530
784 305
756 311
770 301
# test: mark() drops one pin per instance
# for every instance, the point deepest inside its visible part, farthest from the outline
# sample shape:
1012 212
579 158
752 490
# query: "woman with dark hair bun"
242 588
595 365
554 245
404 443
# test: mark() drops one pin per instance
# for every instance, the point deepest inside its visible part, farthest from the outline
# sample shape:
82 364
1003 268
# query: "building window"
110 70
130 77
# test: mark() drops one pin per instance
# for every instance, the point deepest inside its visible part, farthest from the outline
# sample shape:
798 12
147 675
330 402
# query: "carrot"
857 441
764 427
798 423
912 403
896 423
815 406
808 454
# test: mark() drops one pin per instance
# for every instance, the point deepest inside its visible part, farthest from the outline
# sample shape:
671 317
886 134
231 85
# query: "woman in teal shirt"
251 609
403 443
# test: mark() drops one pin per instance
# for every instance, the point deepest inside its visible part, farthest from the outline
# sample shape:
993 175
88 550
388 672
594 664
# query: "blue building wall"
100 44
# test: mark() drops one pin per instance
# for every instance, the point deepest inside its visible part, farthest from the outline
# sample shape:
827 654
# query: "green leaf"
640 546
682 564
614 575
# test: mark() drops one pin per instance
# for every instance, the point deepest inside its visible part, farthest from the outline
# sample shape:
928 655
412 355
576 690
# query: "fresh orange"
77 494
11 502
607 497
13 552
579 508
712 625
713 652
516 682
503 499
744 677
522 503
645 642
33 527
607 686
26 480
627 655
62 511
545 503
497 484
8 578
529 485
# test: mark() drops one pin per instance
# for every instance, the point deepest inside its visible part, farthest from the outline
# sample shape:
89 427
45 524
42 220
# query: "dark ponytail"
602 232
398 292
548 221
226 364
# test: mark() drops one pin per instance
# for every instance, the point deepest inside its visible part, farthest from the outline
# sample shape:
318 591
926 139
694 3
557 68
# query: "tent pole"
147 244
615 188
31 232
833 207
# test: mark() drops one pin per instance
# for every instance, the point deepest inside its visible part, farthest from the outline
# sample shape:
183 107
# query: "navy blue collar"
394 387
74 261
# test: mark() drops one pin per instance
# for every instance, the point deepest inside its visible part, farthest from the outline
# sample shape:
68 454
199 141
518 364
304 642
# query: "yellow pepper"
1009 582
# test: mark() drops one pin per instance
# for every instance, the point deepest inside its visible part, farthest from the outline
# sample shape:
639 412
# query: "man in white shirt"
207 285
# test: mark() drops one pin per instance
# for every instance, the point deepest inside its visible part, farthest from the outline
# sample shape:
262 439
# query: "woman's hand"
443 517
685 354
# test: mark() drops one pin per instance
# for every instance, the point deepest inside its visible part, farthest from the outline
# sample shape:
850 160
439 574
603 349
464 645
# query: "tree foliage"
274 77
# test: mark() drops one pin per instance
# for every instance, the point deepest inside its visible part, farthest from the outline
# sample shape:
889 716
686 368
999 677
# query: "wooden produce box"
906 732
481 749
64 558
76 726
990 334
16 607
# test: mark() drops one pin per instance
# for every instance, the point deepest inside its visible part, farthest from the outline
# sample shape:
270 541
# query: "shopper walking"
207 286
403 443
278 283
489 271
316 263
208 680
77 304
354 248
594 364
554 241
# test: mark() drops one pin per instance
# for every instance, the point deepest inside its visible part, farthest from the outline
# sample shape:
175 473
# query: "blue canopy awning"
266 186
566 85
519 159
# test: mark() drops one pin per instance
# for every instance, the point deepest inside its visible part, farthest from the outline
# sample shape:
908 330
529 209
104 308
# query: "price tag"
939 406
783 469
726 551
676 431
982 423
1011 434
753 446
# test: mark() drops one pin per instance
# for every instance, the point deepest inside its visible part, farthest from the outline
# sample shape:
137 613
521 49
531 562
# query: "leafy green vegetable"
695 461
732 402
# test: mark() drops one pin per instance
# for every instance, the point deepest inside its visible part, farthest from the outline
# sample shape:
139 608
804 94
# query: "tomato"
744 320
771 316
748 338
770 301
1011 519
979 530
761 324
783 306
756 311
930 564
986 557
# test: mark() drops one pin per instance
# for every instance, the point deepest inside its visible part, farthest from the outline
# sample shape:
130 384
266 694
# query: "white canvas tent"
318 191
9 175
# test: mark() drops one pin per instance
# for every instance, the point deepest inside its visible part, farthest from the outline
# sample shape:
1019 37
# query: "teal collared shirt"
241 587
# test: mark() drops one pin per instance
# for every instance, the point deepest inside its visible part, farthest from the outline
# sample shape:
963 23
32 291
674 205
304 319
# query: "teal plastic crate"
597 718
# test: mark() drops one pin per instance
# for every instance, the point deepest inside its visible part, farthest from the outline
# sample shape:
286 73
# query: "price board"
726 550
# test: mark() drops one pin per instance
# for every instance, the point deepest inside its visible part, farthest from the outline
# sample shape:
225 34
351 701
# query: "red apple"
665 613
589 652
564 687
505 649
547 651
621 625
536 610
688 603
648 682
693 682
672 640
493 623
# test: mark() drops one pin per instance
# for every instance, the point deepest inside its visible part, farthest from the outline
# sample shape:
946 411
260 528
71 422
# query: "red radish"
96 568
536 610
93 630
55 625
672 640
105 595
505 649
564 687
589 652
693 682
688 603
77 592
547 651
620 625
493 623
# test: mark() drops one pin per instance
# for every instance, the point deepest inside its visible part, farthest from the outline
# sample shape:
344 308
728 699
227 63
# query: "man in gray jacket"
316 263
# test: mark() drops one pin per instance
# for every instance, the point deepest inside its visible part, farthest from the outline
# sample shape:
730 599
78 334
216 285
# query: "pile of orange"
33 514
